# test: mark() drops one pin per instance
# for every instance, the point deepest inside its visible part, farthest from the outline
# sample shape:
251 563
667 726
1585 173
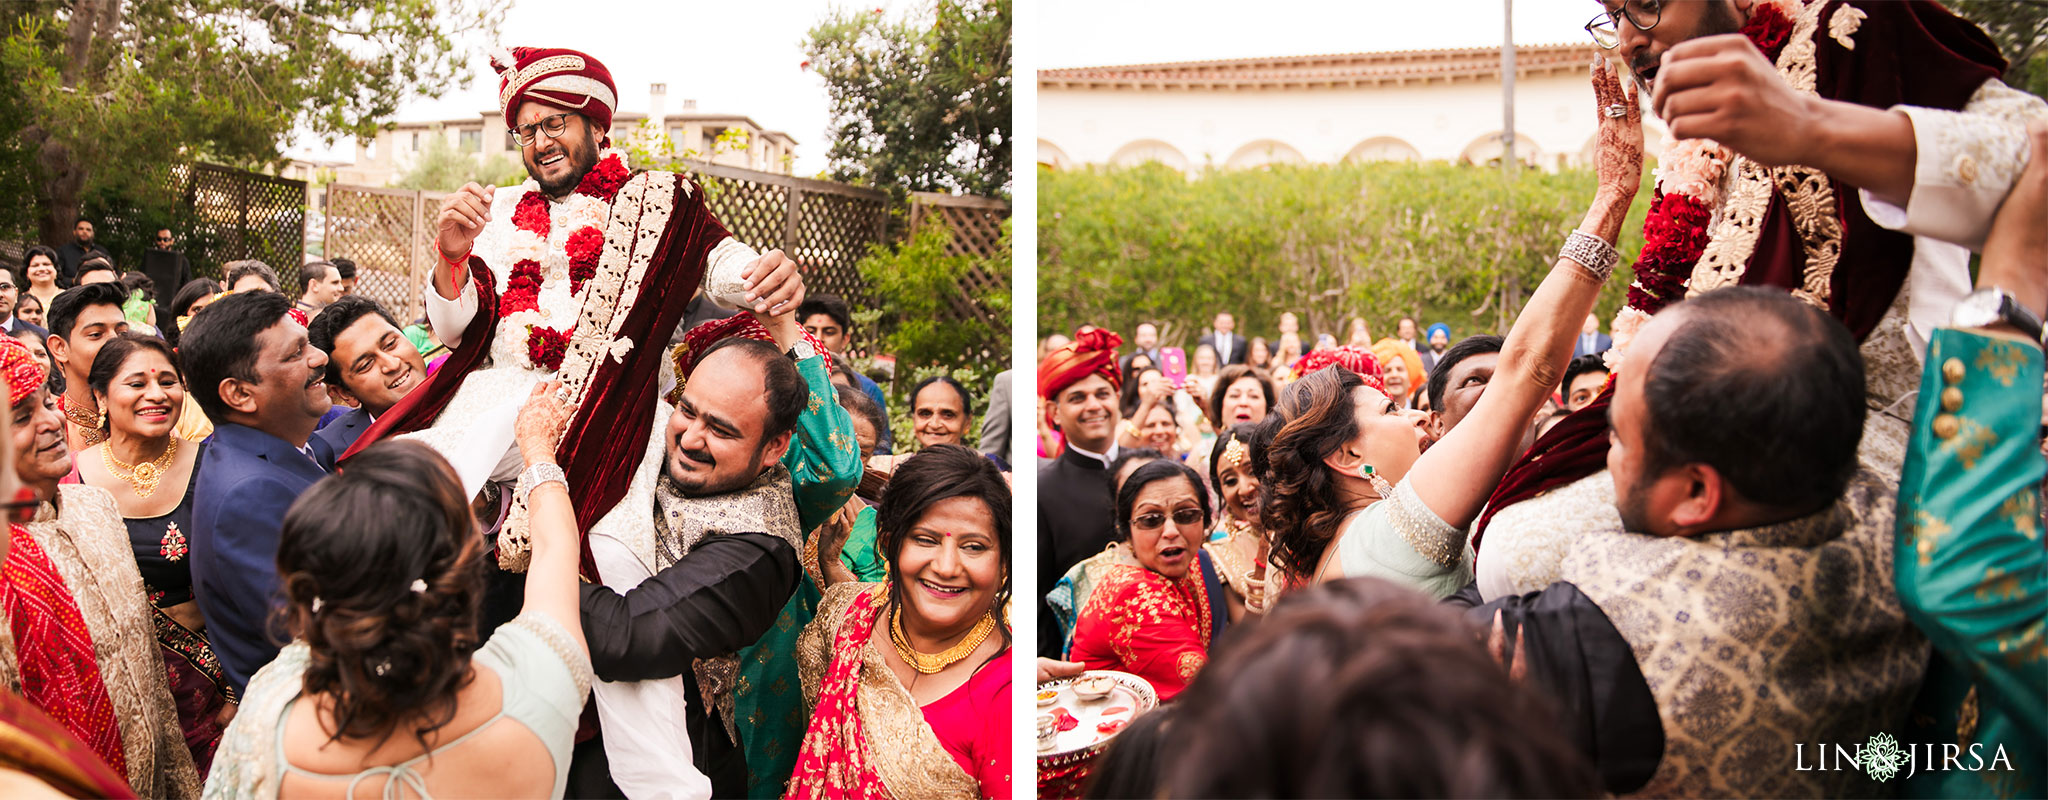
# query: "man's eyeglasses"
1156 520
1606 27
552 126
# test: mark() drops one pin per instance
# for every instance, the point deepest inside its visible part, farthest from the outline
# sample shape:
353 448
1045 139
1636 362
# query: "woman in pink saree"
909 679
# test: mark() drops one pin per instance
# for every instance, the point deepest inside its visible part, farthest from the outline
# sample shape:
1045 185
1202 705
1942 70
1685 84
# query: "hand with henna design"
1618 159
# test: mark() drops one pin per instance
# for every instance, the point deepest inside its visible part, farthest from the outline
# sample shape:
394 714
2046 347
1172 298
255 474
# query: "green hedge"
1439 242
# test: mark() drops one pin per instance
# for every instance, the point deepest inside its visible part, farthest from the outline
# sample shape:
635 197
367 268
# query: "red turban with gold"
565 78
1092 352
1350 356
23 371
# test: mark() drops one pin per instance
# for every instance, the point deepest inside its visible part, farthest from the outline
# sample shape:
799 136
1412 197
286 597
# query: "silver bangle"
535 476
1591 252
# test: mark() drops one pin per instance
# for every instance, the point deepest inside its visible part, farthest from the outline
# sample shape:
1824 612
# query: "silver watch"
1991 306
801 350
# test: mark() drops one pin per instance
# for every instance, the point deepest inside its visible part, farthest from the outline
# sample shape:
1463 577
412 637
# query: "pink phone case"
1175 367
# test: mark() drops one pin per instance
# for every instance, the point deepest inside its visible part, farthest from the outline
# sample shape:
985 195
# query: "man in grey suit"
1591 340
1229 346
995 424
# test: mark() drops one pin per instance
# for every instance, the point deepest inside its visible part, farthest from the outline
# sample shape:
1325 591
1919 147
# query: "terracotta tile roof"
1327 71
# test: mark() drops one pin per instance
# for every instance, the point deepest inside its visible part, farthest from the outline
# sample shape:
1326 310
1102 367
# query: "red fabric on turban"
1350 356
565 78
1092 352
23 371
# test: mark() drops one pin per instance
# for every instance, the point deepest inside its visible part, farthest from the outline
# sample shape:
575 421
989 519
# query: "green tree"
2020 27
1437 242
443 167
115 94
920 104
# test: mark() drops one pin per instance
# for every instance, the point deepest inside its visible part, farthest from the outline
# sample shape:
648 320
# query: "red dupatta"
60 670
833 762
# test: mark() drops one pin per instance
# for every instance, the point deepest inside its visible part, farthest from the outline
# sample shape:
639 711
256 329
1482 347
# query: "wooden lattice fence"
827 227
217 214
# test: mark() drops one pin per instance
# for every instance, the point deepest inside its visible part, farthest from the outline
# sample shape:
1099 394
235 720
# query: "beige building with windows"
1412 105
381 161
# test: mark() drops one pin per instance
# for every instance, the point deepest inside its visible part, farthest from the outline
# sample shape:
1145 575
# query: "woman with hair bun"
386 688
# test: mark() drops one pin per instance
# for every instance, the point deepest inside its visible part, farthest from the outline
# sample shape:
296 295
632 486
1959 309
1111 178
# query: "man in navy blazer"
260 381
370 365
1591 340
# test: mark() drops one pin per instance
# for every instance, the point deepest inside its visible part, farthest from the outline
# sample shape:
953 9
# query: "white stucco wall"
1238 128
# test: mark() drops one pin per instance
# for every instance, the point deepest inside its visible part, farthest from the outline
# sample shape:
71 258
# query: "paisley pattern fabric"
89 548
1142 622
868 739
1754 641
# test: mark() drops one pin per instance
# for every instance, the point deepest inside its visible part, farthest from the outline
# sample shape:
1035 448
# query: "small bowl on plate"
1047 697
1093 687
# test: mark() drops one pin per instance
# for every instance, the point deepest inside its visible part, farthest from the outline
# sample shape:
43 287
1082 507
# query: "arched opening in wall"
1382 148
1488 149
1050 155
1146 151
1262 153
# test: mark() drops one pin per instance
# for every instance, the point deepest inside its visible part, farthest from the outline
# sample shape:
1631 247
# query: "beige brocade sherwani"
89 546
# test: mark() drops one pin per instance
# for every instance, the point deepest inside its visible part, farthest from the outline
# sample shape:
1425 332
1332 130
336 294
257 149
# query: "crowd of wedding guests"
215 582
1538 565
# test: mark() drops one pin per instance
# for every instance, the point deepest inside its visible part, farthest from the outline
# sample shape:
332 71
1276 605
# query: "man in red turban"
1081 387
578 275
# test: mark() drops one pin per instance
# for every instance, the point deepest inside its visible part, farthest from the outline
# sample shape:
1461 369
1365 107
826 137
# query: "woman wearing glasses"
1155 610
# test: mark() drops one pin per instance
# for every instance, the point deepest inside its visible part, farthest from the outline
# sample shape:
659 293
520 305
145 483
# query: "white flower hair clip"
316 605
419 585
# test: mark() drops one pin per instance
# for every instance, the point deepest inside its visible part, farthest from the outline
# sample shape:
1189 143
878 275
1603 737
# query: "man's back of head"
253 270
1762 388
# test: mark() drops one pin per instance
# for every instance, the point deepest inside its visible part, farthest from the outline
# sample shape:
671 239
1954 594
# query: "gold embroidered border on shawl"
903 748
640 214
1757 640
1808 196
89 546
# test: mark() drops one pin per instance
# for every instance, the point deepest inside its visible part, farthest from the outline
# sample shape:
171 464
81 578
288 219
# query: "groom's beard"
580 151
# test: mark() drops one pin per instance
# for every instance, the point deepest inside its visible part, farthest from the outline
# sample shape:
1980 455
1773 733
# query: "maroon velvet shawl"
608 435
1908 53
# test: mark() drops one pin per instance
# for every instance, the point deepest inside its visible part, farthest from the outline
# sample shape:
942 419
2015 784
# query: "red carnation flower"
584 247
603 181
545 347
531 215
515 302
1768 29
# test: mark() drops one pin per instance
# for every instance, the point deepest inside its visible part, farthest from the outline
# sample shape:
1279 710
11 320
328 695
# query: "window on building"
471 141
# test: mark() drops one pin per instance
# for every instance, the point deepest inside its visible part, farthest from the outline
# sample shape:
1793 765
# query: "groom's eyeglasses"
1606 28
552 126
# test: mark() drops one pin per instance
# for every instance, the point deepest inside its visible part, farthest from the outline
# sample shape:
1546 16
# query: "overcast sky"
1087 33
732 56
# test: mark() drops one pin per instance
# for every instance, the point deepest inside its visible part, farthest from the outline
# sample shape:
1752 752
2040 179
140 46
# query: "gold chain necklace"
932 664
89 425
142 477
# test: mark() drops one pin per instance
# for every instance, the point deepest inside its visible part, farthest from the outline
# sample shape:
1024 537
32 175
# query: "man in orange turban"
1080 384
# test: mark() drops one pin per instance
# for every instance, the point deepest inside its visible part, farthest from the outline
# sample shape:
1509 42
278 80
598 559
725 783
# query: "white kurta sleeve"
723 271
645 735
1965 164
450 317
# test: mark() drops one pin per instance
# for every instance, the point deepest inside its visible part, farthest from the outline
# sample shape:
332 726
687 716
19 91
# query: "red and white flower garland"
535 265
1688 189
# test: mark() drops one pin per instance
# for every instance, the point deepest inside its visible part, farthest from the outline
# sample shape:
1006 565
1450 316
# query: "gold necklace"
89 425
142 477
932 664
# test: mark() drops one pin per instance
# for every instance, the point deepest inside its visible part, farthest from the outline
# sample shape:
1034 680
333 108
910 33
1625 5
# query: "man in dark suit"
1591 340
1147 340
71 254
259 380
1229 346
1076 515
10 291
370 365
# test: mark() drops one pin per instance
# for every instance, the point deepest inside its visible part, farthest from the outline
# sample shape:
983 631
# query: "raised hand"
774 285
464 212
2016 251
1619 157
1722 88
542 422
